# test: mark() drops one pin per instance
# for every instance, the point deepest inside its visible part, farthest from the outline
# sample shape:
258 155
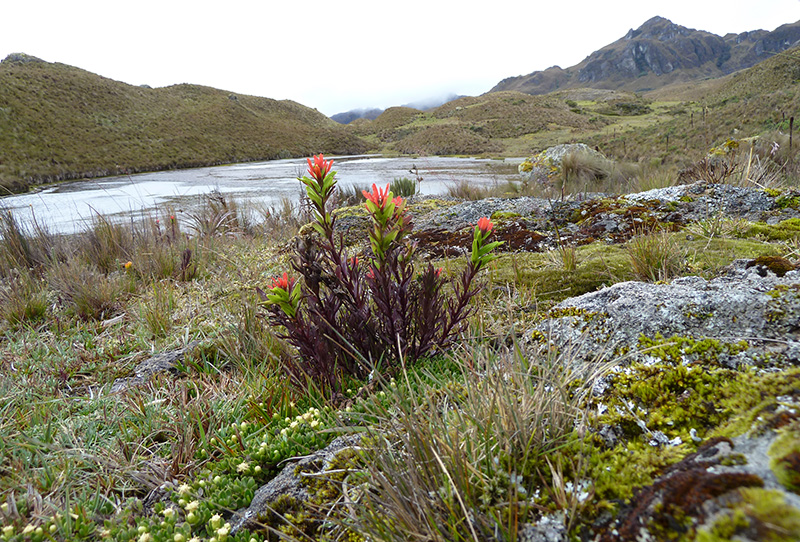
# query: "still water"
67 207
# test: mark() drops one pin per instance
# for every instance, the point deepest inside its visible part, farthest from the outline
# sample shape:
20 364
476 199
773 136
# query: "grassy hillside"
674 125
492 123
743 105
59 122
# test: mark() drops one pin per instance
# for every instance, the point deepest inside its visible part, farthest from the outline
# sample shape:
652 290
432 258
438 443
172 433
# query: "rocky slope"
657 54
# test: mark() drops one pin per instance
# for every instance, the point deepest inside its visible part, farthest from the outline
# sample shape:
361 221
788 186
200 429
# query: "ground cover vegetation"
466 423
487 427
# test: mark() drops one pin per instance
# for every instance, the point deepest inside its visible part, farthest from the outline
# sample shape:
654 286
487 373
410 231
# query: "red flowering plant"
349 315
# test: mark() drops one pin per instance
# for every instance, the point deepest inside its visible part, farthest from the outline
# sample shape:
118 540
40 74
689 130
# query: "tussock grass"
656 256
403 187
474 449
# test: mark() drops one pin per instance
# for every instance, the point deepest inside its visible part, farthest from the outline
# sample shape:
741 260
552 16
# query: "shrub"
348 315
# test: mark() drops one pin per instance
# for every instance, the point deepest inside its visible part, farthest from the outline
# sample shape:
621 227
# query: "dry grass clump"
24 246
583 172
655 256
463 461
23 298
88 292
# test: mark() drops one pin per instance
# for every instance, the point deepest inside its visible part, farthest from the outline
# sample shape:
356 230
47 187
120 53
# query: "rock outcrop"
658 53
753 314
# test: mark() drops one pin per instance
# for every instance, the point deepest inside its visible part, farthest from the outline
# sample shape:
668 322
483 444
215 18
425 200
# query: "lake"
67 207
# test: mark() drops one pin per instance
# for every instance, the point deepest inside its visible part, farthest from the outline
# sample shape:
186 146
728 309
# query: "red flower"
282 282
377 196
485 225
438 272
320 168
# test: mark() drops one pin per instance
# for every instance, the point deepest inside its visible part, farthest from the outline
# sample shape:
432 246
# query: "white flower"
184 490
28 529
244 466
192 506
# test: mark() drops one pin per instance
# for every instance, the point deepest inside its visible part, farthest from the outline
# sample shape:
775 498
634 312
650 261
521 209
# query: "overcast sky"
337 56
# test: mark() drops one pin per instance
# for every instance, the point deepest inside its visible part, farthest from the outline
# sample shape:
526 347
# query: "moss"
751 400
785 458
756 514
732 460
677 349
779 266
782 231
500 215
788 201
323 488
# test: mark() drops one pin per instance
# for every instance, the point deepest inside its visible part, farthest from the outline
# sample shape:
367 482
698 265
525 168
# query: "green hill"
745 104
58 122
494 123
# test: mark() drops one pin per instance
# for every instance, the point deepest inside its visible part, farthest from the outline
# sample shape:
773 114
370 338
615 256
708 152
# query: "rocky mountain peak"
658 53
20 58
660 29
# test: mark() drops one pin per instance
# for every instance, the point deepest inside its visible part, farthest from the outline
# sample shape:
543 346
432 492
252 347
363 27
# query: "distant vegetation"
58 122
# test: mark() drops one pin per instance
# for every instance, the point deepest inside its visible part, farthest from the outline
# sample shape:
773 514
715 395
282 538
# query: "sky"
349 54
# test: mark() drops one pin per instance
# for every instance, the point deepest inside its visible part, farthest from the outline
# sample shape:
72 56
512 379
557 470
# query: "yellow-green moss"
763 513
676 348
785 458
783 230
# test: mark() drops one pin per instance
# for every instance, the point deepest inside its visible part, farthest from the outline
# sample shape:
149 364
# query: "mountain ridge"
656 54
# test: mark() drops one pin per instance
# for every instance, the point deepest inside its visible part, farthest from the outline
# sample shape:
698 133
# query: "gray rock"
289 483
548 529
166 361
742 305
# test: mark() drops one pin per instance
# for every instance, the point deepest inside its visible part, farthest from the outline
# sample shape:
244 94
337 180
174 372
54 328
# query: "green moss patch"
785 458
754 514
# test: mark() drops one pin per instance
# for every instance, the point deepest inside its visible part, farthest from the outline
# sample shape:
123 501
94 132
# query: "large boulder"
547 164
